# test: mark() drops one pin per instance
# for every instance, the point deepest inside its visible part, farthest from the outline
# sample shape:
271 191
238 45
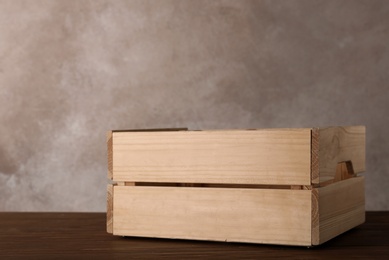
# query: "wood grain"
338 144
110 208
315 232
110 155
270 156
244 215
228 185
341 207
315 172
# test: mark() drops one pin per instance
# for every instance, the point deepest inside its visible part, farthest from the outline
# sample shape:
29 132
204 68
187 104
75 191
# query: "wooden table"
82 235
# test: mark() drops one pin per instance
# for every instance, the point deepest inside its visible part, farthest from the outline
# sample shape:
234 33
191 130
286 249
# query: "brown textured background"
71 70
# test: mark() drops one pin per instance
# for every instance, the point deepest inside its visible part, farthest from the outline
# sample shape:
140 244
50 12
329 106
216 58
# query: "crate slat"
241 157
244 215
341 207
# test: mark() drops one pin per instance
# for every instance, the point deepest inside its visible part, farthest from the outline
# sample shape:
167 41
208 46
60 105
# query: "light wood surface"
269 156
110 155
315 217
315 173
245 215
276 186
109 208
341 207
333 145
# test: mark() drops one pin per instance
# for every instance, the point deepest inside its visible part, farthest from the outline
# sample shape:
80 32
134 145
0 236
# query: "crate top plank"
268 156
284 156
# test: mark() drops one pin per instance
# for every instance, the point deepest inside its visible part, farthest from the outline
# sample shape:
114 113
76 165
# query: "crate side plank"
240 215
315 217
240 156
338 144
110 155
315 135
110 208
341 207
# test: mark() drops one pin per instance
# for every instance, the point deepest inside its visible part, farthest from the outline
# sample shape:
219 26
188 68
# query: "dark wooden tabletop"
82 235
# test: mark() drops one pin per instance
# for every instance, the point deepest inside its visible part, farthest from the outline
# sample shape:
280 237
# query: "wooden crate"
276 186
